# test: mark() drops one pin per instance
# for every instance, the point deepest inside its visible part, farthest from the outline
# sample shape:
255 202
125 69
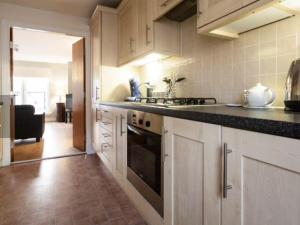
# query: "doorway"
48 80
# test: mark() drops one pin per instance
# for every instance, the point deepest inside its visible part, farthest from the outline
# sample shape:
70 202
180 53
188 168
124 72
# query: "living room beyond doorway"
43 81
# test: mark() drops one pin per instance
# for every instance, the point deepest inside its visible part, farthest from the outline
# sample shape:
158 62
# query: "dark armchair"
27 124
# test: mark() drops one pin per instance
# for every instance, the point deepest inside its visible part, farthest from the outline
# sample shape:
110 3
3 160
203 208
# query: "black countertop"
273 121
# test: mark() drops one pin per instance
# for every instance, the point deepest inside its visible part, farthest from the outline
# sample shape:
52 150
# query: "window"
32 91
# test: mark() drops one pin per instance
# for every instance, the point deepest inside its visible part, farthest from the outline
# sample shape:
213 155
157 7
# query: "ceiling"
41 46
82 8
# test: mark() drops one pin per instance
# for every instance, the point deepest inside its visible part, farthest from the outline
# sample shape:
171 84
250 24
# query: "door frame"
5 52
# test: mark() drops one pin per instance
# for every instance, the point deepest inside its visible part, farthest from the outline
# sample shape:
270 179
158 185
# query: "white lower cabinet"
264 172
192 173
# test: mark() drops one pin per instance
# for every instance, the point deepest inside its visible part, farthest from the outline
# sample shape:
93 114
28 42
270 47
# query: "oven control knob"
148 124
141 121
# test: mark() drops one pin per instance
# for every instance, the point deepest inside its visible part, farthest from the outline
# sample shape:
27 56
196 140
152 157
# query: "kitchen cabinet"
95 26
192 173
1 135
145 26
128 25
264 173
121 145
96 127
215 15
140 36
164 6
104 50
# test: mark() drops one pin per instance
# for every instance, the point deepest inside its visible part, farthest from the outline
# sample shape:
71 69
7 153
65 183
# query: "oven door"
145 165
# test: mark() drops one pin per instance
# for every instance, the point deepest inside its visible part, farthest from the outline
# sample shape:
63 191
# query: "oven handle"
139 131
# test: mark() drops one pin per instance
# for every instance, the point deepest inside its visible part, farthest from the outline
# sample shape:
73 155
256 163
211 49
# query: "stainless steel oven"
144 156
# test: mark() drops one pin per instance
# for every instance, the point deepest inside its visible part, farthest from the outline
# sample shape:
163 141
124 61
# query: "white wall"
56 73
14 16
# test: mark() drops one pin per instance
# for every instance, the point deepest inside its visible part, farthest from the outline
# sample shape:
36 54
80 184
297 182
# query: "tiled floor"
66 191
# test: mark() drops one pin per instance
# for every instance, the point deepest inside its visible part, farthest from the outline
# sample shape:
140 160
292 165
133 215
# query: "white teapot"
259 96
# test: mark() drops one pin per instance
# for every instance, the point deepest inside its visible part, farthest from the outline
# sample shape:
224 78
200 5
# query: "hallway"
76 190
57 141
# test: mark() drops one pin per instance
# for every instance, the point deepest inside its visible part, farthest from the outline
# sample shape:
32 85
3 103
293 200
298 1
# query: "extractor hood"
258 18
183 11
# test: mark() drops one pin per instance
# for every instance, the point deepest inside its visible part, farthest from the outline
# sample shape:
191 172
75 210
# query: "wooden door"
128 24
212 10
264 172
78 73
145 26
96 55
192 173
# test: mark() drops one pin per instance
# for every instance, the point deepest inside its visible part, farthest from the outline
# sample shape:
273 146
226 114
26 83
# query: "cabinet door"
212 10
96 126
128 32
121 143
96 55
192 173
164 6
264 172
145 26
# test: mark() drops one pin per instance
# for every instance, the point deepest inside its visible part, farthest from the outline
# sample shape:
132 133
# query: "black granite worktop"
273 121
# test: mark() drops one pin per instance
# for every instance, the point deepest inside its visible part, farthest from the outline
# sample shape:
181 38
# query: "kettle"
259 96
292 93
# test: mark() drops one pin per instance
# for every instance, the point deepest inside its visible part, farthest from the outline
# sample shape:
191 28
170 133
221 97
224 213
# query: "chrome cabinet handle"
164 4
226 187
131 45
97 115
97 93
147 34
106 135
106 123
165 155
121 125
105 146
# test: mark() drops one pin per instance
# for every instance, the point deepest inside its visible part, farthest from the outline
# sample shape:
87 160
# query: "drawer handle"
106 123
106 135
105 146
226 187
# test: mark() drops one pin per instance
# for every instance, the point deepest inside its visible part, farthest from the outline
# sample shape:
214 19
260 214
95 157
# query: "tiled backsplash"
225 68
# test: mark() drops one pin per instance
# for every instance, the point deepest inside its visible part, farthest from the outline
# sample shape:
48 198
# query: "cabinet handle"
226 187
104 146
131 45
106 123
106 135
147 34
97 115
121 125
97 93
164 4
165 155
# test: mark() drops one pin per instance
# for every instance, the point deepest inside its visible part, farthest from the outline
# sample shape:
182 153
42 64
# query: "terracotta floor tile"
67 191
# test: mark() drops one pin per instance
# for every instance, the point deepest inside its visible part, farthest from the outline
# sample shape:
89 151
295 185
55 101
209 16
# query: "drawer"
106 124
106 113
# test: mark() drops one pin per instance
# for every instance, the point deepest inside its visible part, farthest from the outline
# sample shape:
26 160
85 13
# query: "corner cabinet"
264 173
192 173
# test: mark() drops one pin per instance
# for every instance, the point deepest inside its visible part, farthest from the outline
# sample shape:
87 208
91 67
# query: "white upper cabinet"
95 25
128 25
192 173
139 35
229 18
164 6
264 172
